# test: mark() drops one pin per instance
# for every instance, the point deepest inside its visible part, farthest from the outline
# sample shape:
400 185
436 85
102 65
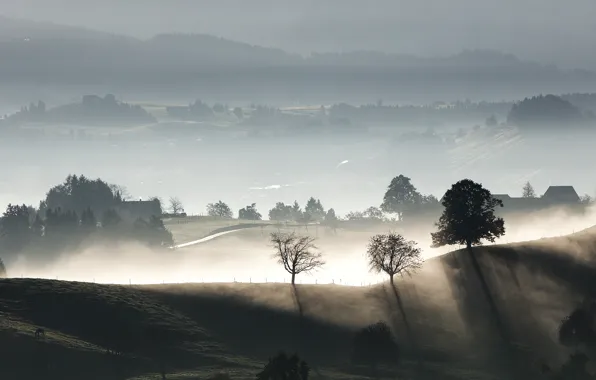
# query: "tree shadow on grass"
257 331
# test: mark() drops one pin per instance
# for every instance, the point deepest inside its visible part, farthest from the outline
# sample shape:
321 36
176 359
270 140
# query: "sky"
549 31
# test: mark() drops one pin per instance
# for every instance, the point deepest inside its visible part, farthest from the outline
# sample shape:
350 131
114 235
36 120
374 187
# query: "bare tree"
393 254
528 191
297 254
176 206
121 192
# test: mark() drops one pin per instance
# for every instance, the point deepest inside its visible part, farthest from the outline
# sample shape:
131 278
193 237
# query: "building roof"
561 193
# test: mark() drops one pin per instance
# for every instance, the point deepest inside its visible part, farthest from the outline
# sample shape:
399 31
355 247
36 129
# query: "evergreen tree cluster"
78 212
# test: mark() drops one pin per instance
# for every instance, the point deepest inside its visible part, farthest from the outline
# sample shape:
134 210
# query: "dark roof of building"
561 193
555 193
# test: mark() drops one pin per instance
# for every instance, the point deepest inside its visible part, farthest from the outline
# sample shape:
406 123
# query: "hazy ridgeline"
201 119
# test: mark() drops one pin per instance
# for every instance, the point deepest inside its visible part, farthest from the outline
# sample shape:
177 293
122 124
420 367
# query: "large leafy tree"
15 230
219 209
281 212
78 193
400 196
331 220
469 216
249 213
315 210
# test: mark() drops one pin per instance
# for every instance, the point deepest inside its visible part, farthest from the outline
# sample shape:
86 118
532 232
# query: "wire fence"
250 280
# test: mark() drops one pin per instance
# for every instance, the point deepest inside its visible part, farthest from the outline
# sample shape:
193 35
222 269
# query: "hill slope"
441 319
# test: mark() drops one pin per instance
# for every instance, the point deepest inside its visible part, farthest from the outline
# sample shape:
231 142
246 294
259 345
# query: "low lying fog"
246 256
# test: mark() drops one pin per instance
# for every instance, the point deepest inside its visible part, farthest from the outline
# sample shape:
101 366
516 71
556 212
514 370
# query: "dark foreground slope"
441 318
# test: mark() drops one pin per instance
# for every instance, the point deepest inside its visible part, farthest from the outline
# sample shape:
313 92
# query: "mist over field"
391 190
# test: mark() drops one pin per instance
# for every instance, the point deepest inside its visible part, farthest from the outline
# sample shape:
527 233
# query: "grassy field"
194 228
440 317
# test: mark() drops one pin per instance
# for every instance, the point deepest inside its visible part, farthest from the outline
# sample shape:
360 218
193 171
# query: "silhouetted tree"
88 221
219 209
374 345
586 199
469 216
528 191
2 269
296 212
281 212
331 220
400 196
78 193
297 254
284 367
14 228
429 200
110 219
37 227
120 193
314 209
249 213
152 232
176 206
374 213
393 254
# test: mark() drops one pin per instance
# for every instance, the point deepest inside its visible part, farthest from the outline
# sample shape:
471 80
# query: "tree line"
77 212
468 219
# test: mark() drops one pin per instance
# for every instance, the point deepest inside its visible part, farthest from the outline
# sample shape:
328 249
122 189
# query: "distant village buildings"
555 196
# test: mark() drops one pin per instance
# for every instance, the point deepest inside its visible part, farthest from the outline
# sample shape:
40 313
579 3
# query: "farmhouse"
564 196
133 210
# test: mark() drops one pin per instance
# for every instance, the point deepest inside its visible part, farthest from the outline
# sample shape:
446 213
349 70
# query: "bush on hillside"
374 345
285 367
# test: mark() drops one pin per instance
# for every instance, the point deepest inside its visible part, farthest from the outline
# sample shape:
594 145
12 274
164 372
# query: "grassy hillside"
443 323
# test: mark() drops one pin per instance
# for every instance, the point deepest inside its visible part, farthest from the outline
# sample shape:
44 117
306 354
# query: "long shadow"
494 310
404 316
258 331
578 275
489 333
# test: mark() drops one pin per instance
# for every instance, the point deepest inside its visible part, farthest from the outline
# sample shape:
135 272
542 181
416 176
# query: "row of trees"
77 212
389 253
468 218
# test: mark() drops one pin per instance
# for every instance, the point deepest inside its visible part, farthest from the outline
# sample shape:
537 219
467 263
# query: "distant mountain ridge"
43 53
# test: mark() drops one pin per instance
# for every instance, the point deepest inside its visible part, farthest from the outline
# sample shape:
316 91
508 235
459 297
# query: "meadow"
440 317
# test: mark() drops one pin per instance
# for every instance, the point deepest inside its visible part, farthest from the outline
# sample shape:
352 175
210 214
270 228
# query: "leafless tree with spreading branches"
176 206
297 254
393 254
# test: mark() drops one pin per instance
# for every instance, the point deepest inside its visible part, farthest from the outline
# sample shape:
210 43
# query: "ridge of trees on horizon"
575 108
92 109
